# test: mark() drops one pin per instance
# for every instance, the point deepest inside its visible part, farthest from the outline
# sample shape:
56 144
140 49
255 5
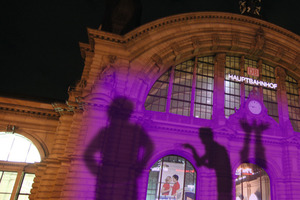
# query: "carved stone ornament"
250 7
259 39
196 42
82 83
258 43
112 59
157 59
108 75
176 49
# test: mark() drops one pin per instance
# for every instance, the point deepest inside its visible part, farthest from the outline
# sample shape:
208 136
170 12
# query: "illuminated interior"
161 179
252 182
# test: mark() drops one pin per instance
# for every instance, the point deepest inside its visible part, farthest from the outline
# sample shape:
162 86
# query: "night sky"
40 55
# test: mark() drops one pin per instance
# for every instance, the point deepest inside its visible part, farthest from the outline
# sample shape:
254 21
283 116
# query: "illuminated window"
171 177
248 87
157 97
16 174
270 97
204 88
293 102
182 88
252 182
16 148
232 89
186 89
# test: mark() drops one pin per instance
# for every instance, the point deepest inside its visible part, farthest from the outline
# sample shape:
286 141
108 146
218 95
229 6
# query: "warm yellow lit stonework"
128 66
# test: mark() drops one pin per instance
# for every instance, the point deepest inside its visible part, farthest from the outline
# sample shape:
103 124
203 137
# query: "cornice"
32 109
189 18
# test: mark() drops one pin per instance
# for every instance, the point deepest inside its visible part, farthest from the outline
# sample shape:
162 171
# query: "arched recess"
172 177
252 182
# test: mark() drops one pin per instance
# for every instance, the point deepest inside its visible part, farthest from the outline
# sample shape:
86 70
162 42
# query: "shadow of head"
120 108
206 135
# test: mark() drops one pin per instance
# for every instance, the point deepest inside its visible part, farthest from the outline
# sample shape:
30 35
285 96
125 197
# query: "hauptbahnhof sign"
251 81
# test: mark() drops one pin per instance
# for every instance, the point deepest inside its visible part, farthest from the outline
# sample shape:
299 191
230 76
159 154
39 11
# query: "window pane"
19 150
5 196
7 181
27 183
157 96
5 145
23 197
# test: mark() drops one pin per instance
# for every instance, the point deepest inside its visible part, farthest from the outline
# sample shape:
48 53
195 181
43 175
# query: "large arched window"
172 177
252 183
187 88
16 175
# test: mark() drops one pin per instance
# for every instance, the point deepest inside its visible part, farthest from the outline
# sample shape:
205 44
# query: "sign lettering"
251 81
253 71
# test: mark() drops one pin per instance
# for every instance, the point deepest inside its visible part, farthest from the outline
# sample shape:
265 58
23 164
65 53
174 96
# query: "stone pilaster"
242 73
218 108
283 111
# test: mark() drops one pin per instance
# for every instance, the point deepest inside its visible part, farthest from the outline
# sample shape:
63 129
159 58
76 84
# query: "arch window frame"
17 171
166 160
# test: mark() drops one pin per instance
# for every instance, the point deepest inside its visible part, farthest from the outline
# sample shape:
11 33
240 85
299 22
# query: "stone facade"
128 66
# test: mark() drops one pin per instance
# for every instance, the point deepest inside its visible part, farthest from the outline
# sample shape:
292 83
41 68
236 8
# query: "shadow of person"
244 153
124 148
259 148
217 158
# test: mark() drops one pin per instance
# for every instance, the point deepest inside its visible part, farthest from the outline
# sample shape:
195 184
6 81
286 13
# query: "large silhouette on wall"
125 148
217 158
259 149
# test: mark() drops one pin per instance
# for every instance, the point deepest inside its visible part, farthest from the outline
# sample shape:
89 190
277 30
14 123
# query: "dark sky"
40 55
